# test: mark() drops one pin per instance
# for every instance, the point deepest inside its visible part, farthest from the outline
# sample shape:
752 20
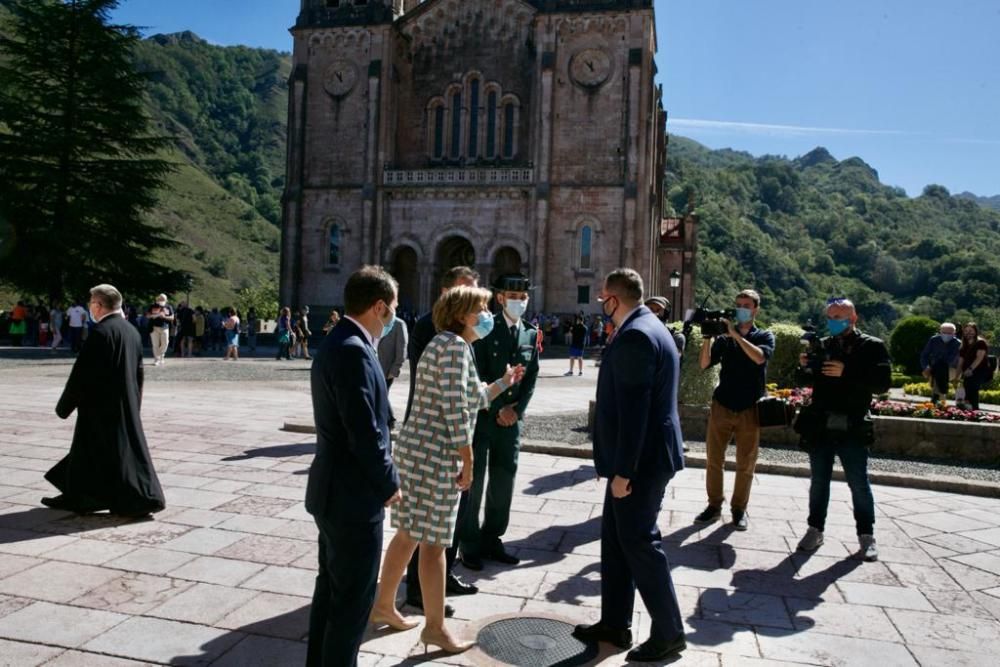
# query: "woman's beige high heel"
443 641
378 619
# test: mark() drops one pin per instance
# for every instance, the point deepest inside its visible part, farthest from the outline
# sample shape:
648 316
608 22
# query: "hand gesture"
513 375
465 478
621 487
394 498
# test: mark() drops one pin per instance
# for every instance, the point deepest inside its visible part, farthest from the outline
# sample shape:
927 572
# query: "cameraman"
743 352
852 366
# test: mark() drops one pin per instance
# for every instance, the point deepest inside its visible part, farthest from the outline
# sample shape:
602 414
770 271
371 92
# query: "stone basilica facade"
509 135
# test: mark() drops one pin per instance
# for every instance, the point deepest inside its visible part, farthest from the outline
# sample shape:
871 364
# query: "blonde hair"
455 304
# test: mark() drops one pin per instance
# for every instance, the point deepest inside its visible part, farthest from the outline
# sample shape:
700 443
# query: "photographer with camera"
845 369
743 351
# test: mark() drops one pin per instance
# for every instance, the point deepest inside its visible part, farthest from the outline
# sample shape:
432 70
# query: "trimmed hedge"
696 385
908 340
991 396
783 363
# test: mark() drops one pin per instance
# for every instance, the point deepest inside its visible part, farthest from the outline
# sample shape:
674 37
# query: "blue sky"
910 86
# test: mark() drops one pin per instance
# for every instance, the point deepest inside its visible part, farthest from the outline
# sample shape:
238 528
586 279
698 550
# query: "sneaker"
568 374
581 373
869 551
812 540
710 515
740 520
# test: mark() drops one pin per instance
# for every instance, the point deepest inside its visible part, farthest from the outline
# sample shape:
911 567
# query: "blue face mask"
744 315
485 324
947 337
837 327
387 328
516 308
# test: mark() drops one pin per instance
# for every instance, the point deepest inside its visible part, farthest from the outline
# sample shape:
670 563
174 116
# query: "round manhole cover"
534 642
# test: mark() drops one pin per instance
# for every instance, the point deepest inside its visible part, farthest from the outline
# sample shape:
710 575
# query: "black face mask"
613 310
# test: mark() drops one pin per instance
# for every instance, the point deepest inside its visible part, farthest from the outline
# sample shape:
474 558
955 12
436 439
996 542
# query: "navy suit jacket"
637 431
352 474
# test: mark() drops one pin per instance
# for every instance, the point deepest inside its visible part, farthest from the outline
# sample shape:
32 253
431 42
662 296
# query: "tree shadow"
276 452
41 522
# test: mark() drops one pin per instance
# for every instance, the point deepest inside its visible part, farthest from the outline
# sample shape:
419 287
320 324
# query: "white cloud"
769 129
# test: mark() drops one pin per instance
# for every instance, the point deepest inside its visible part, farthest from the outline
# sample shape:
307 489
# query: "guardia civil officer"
498 429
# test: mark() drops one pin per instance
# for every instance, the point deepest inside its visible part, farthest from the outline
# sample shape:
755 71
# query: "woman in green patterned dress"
434 459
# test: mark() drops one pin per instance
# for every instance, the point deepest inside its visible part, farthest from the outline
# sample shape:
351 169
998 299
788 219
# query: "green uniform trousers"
494 452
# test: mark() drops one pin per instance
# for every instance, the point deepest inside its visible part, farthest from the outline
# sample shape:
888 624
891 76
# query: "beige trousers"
723 424
161 340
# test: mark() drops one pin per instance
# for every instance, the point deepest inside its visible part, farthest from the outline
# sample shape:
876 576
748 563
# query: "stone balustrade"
472 176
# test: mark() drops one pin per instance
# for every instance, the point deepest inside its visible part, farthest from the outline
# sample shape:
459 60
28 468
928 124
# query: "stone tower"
506 134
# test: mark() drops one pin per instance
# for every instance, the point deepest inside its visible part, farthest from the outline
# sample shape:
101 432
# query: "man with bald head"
939 360
854 367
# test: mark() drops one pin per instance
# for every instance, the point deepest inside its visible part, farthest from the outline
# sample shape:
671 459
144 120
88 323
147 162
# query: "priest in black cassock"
108 466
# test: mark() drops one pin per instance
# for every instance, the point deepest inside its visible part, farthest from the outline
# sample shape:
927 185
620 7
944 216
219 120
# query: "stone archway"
507 260
405 270
453 251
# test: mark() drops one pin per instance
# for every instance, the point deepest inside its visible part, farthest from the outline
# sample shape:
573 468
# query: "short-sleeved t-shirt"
157 313
969 352
741 380
77 316
579 335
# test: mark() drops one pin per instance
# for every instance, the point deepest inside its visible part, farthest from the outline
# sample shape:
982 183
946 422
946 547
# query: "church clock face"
590 68
340 77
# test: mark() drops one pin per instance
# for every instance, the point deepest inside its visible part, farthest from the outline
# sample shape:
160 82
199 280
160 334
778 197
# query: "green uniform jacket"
499 349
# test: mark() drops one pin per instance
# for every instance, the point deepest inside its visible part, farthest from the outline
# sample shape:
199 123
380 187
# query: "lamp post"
675 282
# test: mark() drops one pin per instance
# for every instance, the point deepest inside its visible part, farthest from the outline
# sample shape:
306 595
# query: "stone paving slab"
224 575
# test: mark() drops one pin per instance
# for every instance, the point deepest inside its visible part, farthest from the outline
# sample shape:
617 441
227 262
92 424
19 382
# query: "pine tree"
79 163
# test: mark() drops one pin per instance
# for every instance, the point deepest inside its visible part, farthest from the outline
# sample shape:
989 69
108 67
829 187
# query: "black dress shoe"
501 555
472 562
57 503
598 632
455 586
418 603
62 502
653 650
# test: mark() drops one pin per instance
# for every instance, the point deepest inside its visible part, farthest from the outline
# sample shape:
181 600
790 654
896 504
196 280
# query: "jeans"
972 385
854 459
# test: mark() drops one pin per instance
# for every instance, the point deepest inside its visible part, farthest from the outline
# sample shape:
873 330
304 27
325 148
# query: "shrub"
990 396
696 385
785 360
908 340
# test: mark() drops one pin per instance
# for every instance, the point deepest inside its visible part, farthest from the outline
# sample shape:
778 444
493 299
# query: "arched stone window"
586 248
492 101
333 236
455 150
511 119
473 151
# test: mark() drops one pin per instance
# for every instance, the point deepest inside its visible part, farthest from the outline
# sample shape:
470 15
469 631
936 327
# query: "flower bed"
886 408
991 396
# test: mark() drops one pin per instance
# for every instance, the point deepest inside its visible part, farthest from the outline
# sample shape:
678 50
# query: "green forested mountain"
225 107
986 202
806 229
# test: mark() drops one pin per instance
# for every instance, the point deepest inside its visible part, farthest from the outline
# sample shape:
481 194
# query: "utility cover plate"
534 642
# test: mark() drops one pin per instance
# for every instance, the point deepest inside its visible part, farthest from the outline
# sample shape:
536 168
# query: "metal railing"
478 176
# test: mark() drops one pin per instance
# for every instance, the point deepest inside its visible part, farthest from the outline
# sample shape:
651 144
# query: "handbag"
774 412
284 338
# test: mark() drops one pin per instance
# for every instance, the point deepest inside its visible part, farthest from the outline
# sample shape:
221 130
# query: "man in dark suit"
637 447
423 332
108 466
352 478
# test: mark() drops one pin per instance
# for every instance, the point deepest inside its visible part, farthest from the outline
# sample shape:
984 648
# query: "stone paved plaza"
224 575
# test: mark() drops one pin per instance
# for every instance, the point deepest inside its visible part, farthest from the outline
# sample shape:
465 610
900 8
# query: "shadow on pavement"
40 522
271 641
561 480
276 452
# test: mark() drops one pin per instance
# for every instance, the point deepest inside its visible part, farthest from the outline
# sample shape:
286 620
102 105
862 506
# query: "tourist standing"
391 355
186 332
973 363
56 324
284 334
231 327
578 337
939 359
160 316
199 330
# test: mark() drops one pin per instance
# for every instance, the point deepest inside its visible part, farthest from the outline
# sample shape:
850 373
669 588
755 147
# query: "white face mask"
516 308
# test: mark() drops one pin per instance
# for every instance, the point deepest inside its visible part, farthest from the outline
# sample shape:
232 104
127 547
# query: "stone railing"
476 176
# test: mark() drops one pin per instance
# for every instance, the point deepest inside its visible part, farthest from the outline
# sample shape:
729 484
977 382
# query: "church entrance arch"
507 260
404 270
453 251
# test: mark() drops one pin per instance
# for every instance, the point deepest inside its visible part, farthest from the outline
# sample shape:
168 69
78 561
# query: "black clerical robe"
108 465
